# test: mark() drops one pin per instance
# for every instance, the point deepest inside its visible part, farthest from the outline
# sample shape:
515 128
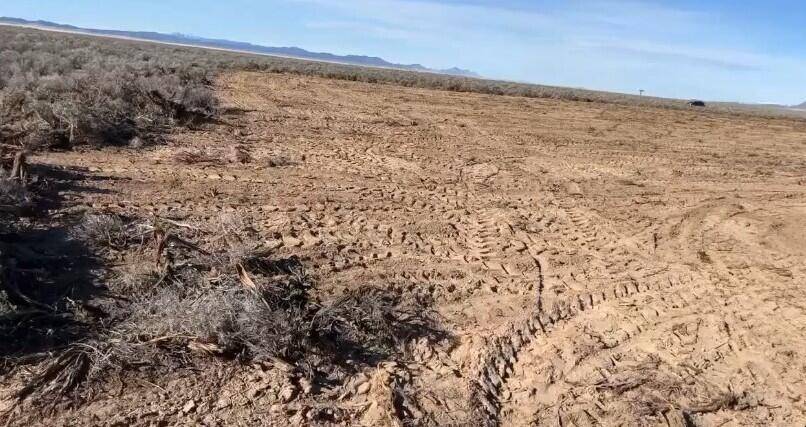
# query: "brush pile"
188 294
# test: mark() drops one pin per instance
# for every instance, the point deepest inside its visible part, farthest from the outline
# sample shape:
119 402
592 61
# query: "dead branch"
19 169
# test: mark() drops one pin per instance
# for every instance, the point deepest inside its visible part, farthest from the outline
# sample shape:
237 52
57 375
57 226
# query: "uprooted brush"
196 157
245 306
62 375
16 161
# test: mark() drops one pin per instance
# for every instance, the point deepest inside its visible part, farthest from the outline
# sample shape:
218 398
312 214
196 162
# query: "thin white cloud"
719 58
610 44
627 25
377 30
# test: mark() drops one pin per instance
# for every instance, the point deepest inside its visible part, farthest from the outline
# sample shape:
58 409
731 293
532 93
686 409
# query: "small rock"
291 242
189 407
363 388
239 155
573 189
282 365
223 403
273 244
518 245
287 394
305 385
257 390
136 142
297 419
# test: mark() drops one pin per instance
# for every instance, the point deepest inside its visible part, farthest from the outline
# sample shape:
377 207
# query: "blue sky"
750 51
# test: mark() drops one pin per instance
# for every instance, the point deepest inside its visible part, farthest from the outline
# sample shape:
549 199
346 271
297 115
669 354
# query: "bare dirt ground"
597 264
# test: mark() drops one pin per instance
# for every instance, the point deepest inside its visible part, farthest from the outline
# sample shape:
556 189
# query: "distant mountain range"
293 52
801 106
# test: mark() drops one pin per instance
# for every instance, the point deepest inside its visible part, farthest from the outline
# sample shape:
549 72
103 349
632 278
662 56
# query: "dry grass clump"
5 304
188 157
13 195
645 389
280 160
108 231
376 322
277 318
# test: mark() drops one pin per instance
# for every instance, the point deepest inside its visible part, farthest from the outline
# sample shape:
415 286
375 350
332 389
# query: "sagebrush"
60 91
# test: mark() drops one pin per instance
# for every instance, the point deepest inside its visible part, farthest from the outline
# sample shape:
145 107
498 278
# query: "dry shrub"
277 161
643 388
242 245
185 319
195 157
60 90
108 231
62 375
6 307
376 322
239 154
229 301
237 321
198 101
13 195
277 316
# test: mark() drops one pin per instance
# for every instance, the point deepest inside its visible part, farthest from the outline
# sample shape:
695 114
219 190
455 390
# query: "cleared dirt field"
596 264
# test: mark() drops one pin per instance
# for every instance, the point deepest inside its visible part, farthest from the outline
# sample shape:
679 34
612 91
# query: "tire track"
496 365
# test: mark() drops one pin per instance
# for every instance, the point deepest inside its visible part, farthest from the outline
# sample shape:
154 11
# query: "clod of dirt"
239 154
287 393
573 189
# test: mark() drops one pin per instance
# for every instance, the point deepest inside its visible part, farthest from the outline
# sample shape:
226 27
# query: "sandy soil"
597 264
